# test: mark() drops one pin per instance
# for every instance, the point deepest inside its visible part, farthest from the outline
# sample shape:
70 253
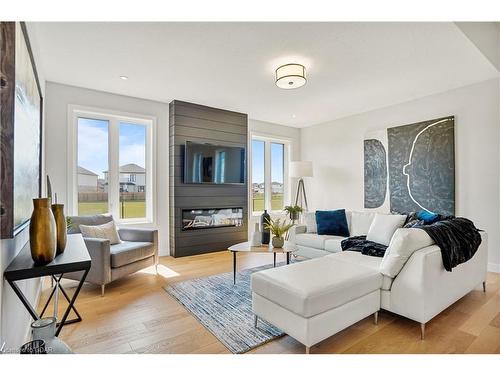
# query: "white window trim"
268 139
114 118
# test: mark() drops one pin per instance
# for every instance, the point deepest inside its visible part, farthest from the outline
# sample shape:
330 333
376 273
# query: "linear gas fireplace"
206 218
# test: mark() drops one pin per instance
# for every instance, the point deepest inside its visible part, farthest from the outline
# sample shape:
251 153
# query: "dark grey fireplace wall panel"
197 123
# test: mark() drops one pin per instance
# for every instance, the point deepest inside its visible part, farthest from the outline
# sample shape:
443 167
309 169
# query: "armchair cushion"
129 252
106 230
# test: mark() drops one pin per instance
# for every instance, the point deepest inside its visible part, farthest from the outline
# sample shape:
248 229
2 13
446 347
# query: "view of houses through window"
268 175
94 177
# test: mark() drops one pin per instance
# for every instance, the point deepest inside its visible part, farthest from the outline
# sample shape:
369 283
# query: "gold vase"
42 232
58 212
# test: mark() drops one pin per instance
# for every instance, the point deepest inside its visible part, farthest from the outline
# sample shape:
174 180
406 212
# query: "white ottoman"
315 299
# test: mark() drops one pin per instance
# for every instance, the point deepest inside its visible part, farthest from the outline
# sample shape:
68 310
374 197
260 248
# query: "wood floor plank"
137 316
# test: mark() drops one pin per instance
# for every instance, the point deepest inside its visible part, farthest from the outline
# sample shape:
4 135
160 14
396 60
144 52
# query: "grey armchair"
138 250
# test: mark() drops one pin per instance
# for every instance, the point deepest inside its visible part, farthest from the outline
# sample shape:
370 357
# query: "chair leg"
484 286
255 320
308 349
422 331
375 318
102 290
156 268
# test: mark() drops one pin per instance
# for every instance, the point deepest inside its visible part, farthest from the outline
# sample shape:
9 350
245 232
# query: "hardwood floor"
137 316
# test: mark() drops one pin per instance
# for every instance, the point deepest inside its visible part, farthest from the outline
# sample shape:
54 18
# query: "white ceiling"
351 67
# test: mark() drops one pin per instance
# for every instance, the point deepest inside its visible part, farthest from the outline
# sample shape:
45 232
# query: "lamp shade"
290 76
300 169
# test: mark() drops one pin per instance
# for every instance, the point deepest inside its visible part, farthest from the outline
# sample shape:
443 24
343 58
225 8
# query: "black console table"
74 259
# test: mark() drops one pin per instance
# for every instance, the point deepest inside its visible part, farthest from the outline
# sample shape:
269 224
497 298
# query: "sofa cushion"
129 252
383 227
360 223
366 261
333 244
403 244
313 240
315 286
332 222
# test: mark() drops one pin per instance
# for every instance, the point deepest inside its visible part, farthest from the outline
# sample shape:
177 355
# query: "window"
93 136
258 185
269 174
277 176
111 168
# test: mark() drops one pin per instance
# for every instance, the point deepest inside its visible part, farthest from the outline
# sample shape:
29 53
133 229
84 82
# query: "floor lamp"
301 169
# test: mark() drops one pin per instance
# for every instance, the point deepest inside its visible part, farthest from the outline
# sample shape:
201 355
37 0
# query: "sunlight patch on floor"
162 271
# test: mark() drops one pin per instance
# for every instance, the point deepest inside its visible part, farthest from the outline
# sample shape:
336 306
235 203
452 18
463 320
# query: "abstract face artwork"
420 167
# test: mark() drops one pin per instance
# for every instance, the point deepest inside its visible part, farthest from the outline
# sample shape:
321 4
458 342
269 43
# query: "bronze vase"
42 232
58 212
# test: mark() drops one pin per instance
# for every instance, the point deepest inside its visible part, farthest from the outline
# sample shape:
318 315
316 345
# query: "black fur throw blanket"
360 244
457 238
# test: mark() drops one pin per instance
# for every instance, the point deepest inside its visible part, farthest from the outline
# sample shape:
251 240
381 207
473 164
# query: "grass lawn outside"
128 209
276 202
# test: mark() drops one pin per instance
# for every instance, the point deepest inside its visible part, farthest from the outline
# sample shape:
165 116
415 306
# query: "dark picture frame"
9 224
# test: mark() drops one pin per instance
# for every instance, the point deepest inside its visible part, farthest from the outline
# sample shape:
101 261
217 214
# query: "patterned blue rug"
226 309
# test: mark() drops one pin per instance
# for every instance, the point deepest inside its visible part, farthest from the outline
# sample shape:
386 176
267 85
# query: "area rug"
226 309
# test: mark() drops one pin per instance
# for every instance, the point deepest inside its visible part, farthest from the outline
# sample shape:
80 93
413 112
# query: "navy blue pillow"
332 222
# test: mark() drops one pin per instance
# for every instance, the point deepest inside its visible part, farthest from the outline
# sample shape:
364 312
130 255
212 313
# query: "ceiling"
351 67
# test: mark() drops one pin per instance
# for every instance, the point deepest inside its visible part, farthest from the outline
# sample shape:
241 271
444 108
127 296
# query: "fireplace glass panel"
206 218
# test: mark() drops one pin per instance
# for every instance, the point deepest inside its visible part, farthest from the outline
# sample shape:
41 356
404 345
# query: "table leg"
71 303
274 263
234 267
57 280
288 257
23 299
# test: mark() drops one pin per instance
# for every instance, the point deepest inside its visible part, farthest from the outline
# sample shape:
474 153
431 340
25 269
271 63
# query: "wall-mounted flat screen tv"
206 163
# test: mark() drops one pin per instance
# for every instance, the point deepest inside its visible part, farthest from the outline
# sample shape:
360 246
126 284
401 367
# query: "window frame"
268 140
114 119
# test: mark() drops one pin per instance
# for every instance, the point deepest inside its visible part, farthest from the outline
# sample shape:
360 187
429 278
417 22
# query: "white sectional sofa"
314 299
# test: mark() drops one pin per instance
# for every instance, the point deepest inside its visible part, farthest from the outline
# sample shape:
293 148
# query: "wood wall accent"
7 92
201 124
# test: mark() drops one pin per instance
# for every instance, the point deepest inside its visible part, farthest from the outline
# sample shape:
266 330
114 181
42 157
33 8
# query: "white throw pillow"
383 227
403 244
310 222
106 231
361 222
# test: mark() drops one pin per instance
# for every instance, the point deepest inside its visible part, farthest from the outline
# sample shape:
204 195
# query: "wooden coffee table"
244 247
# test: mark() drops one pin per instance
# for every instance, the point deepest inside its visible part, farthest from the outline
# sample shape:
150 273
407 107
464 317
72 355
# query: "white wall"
336 149
271 130
59 97
486 37
14 319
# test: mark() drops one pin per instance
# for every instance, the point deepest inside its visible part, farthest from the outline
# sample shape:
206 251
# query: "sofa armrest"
296 229
100 256
424 288
138 234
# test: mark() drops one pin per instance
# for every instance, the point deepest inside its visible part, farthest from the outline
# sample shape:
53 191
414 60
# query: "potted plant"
278 228
293 211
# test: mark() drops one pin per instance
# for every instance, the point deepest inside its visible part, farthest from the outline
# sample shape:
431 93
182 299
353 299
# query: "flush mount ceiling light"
124 77
290 76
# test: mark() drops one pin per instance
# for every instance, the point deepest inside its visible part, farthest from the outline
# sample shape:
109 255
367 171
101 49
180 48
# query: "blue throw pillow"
332 222
427 217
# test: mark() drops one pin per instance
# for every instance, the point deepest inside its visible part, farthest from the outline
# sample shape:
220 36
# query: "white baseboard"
493 267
